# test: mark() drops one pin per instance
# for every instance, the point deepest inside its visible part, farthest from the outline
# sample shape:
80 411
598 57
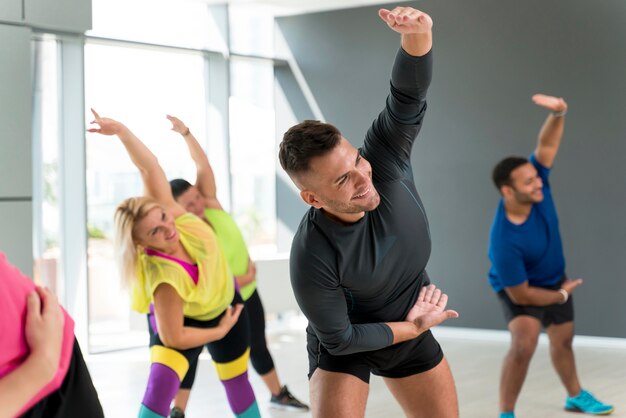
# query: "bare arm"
44 335
526 295
552 129
168 308
154 180
249 276
205 179
414 26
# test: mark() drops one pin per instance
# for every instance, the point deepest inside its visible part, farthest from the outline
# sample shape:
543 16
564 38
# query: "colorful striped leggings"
230 357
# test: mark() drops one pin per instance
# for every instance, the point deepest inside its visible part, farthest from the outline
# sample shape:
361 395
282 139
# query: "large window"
252 150
47 230
187 61
138 87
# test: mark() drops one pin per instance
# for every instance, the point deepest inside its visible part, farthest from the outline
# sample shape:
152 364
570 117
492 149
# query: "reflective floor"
475 359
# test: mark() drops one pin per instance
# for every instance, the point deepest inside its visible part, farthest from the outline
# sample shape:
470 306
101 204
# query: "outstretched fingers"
406 19
426 294
556 104
96 120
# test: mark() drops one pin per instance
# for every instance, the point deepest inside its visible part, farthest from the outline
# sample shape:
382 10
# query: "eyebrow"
356 160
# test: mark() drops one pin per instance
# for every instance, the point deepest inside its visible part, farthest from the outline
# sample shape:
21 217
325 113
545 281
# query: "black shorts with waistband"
399 360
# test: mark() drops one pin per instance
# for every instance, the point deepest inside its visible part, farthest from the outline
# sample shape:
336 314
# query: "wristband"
560 114
186 132
565 295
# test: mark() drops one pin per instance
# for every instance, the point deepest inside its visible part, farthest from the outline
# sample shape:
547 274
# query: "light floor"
475 359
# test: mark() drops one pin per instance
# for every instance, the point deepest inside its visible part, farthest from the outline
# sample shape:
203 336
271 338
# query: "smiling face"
156 230
340 183
526 185
192 201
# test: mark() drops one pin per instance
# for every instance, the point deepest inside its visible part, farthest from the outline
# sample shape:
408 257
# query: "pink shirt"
14 291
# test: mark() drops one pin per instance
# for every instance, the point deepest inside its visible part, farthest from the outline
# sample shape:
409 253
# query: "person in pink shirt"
42 371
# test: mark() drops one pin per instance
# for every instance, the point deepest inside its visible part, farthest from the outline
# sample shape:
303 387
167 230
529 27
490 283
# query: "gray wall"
490 57
18 19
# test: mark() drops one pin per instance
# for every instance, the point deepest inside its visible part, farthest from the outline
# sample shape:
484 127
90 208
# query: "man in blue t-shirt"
528 268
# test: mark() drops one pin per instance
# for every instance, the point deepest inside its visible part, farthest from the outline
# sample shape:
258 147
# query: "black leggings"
260 356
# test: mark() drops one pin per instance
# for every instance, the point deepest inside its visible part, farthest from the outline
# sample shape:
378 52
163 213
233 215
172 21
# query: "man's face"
192 201
340 182
526 185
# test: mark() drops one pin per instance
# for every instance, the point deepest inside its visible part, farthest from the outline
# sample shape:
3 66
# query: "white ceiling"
285 7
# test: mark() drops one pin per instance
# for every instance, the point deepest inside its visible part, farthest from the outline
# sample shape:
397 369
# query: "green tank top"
233 245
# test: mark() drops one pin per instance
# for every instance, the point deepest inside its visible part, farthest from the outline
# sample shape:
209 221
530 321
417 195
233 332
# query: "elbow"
173 341
518 299
338 348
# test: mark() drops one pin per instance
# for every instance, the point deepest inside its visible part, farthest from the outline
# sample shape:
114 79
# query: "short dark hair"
305 141
501 174
179 186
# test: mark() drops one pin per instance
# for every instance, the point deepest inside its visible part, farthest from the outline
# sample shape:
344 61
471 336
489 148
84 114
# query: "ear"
506 190
310 199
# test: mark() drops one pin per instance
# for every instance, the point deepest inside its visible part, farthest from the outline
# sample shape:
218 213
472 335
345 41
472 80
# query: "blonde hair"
127 214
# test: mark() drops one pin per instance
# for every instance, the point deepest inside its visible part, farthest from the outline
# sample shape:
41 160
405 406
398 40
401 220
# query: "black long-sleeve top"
350 279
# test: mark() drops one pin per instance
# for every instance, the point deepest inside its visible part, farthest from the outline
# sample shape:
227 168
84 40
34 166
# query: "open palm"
429 309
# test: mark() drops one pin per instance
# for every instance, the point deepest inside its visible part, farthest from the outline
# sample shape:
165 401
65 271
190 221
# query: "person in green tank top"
201 199
179 276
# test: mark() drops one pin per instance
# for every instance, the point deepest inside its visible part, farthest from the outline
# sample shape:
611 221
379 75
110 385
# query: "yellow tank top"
215 289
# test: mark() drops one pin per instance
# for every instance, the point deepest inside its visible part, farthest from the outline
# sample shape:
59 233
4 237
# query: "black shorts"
547 315
399 360
77 397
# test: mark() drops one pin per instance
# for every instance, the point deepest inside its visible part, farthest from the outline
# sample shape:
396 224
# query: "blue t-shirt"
531 251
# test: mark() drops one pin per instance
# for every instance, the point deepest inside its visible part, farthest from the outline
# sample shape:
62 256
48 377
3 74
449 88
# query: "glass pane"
147 85
188 24
46 167
253 152
251 29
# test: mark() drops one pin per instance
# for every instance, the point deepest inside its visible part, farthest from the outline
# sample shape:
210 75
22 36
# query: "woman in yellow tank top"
174 266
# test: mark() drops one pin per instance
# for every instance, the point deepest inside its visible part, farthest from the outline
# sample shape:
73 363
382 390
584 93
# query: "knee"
562 344
522 349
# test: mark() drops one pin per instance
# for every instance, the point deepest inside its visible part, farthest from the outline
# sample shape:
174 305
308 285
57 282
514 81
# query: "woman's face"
156 230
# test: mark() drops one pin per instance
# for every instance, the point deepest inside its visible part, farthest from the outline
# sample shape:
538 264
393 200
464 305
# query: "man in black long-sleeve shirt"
358 258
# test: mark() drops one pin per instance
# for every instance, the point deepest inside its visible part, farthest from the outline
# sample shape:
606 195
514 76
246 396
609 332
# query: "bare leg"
561 338
524 336
181 398
271 381
427 395
337 395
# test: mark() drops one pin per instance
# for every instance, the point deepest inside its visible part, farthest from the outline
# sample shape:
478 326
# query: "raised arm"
389 142
205 179
155 183
552 129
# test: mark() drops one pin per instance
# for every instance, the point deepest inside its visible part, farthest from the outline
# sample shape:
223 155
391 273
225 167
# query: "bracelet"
186 132
565 296
560 114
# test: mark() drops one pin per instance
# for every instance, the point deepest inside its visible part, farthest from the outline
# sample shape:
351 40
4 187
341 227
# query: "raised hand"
555 104
106 126
178 125
406 20
429 309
